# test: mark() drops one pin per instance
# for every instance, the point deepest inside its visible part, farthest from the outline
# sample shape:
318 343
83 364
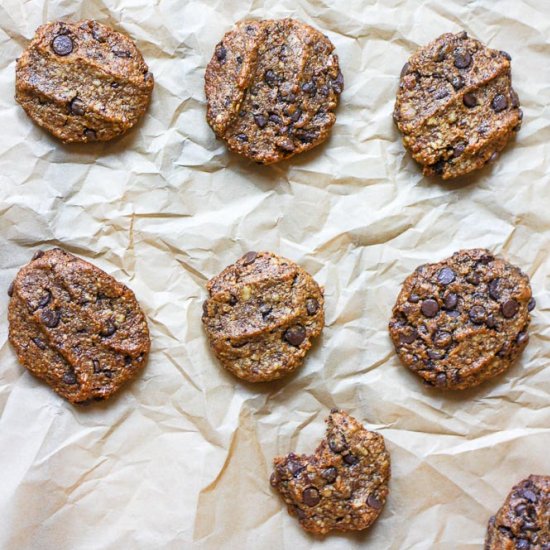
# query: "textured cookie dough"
261 315
464 320
83 81
75 327
523 522
272 88
343 486
456 106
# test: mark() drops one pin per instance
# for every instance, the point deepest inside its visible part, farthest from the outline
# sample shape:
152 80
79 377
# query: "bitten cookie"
83 81
523 522
459 322
75 327
272 88
261 315
343 486
456 106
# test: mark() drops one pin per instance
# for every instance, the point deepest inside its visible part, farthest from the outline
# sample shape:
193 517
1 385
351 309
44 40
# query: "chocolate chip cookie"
75 327
261 316
464 320
523 522
272 88
83 81
343 486
456 106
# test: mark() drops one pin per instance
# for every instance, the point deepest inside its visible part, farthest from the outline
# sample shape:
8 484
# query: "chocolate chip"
329 474
515 98
506 55
312 306
338 83
459 149
295 335
242 137
408 337
294 467
260 120
96 366
249 257
491 321
276 119
77 107
122 53
45 299
522 338
286 145
532 304
441 53
39 343
98 34
350 459
509 308
499 103
11 288
439 167
451 300
441 93
232 300
37 254
296 115
522 544
309 87
270 77
477 315
462 35
310 496
69 378
463 59
429 307
337 442
469 100
405 69
457 82
62 45
265 310
90 133
274 479
494 291
441 379
50 317
435 354
221 52
443 339
373 502
414 299
239 59
529 495
446 276
108 330
128 360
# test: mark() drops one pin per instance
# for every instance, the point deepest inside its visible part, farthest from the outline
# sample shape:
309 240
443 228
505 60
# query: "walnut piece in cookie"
456 106
75 327
343 486
463 320
261 316
523 521
83 81
272 88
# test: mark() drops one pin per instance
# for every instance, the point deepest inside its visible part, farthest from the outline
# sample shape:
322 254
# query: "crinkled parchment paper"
181 458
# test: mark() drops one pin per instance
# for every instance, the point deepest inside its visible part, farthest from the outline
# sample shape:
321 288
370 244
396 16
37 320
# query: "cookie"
523 522
83 81
75 327
261 316
456 106
272 88
343 486
459 322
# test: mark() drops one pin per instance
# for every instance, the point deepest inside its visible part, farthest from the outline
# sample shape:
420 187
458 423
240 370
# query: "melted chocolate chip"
457 82
499 103
77 107
491 321
250 257
62 45
50 317
39 343
221 52
463 59
373 502
45 299
295 335
310 496
405 69
446 276
294 467
459 149
109 330
11 289
429 307
337 442
338 83
469 100
90 133
329 474
522 338
260 121
270 77
350 459
96 366
494 290
509 308
477 315
309 87
408 337
532 304
451 301
69 378
443 339
37 254
312 306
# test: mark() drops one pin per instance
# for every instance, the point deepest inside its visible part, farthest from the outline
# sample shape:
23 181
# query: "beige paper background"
181 458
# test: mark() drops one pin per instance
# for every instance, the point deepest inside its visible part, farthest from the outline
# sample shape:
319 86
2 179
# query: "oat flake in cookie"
343 486
459 322
83 81
261 316
523 522
272 87
75 327
456 106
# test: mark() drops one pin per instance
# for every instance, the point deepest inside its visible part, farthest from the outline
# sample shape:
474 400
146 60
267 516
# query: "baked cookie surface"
463 320
261 316
455 106
523 521
272 87
343 486
83 81
75 327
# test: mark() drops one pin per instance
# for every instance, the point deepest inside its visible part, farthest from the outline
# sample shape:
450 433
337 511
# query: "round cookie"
343 486
83 81
272 88
523 522
459 322
75 327
456 106
261 315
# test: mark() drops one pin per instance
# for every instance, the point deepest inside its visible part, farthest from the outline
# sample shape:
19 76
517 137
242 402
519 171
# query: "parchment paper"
182 457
